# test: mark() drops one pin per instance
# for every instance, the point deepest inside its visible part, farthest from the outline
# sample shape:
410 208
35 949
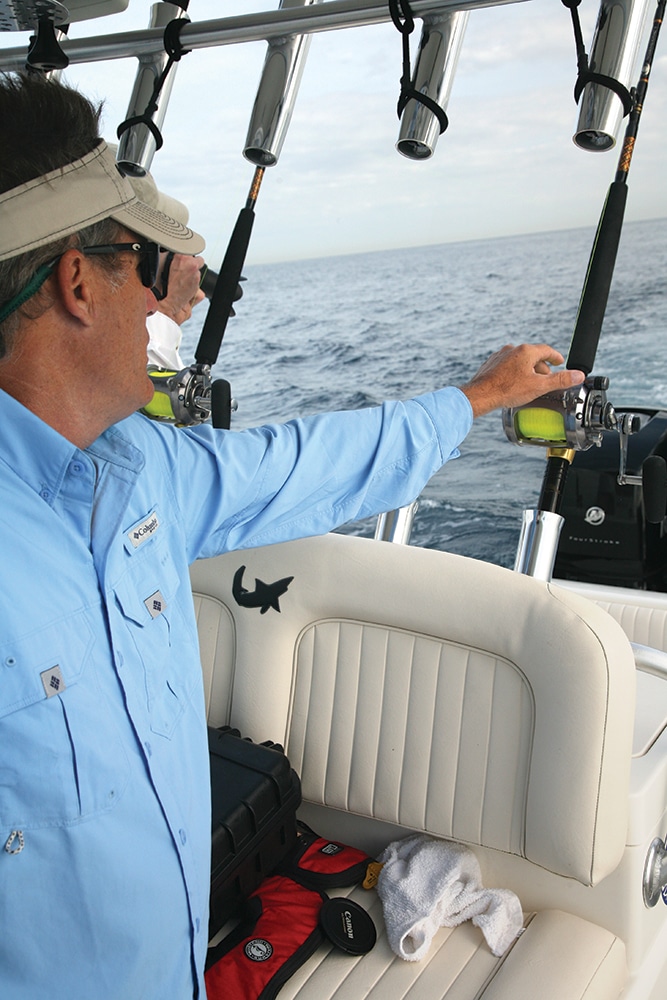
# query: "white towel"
426 884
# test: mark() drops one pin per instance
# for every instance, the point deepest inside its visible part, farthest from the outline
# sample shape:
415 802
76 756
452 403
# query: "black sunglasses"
149 264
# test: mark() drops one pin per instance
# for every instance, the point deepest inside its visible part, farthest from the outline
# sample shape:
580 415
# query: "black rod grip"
553 484
593 302
226 290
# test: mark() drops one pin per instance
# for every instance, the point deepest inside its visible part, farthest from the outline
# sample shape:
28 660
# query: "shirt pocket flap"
149 584
44 663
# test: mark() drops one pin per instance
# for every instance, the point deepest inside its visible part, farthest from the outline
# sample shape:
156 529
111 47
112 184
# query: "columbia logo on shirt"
155 604
140 532
53 681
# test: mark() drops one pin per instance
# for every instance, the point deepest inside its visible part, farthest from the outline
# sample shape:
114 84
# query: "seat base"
557 956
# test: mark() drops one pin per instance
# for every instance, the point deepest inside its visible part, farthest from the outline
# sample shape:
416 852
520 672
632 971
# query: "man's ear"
74 277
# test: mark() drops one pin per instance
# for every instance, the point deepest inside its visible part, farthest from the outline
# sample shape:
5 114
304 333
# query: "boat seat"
641 613
416 690
558 956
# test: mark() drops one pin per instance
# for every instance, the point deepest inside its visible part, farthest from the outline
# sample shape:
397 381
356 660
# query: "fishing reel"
182 397
571 418
574 420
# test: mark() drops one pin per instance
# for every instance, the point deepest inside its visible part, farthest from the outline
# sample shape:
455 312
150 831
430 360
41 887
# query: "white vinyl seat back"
642 614
430 690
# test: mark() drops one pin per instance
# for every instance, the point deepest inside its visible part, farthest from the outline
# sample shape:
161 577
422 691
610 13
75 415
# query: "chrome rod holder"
276 95
396 525
137 144
614 48
437 59
538 543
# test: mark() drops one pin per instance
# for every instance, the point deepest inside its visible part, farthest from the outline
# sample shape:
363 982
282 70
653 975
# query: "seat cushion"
558 956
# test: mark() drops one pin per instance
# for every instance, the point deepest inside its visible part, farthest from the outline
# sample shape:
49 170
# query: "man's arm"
277 482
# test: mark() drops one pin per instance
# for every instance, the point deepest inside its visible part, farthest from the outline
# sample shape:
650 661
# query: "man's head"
60 188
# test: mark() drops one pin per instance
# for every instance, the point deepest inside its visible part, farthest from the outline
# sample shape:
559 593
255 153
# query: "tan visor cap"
77 195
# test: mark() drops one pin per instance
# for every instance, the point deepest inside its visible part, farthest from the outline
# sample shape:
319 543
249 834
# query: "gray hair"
16 272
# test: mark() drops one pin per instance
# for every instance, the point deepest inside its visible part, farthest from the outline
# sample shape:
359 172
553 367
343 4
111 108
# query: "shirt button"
183 835
76 468
119 659
45 495
148 749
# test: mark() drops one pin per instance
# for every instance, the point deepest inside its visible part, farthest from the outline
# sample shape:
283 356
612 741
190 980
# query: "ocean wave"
349 332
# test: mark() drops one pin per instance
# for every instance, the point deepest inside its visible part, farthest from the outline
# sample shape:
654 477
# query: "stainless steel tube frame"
437 59
538 542
278 87
613 53
330 16
137 145
396 525
650 660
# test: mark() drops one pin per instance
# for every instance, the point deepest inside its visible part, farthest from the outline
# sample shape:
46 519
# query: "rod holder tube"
614 48
538 543
137 145
437 59
396 525
276 95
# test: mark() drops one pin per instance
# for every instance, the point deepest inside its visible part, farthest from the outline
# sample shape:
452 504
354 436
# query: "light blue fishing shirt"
104 793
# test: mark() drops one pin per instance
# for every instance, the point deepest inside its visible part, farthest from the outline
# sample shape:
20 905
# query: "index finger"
549 354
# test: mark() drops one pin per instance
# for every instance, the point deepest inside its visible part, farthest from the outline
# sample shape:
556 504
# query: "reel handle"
654 488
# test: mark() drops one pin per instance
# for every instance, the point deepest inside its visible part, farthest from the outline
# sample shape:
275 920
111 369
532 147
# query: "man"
104 811
178 285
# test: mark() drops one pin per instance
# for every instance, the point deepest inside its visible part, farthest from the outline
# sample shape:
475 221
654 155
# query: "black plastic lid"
348 925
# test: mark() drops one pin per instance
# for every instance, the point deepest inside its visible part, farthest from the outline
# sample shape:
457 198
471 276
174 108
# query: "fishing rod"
220 309
269 121
593 303
574 419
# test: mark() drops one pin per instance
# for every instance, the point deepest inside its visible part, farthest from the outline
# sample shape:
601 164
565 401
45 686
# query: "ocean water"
347 332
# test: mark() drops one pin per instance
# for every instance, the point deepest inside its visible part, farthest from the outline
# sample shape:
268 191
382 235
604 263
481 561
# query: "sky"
506 164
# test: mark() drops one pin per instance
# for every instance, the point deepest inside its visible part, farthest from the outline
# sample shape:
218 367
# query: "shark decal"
264 596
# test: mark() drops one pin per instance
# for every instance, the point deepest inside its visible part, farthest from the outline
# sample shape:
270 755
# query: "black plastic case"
255 795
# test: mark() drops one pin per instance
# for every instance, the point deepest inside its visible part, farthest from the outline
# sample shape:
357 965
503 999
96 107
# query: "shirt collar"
40 456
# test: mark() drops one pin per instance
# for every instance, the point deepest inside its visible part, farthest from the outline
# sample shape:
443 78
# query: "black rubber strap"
404 21
146 120
172 39
606 81
413 95
586 75
174 49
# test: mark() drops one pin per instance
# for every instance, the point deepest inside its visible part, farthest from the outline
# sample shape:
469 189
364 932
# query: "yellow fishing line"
539 423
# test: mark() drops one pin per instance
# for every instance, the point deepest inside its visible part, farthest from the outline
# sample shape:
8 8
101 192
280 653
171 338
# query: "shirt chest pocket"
147 597
62 760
